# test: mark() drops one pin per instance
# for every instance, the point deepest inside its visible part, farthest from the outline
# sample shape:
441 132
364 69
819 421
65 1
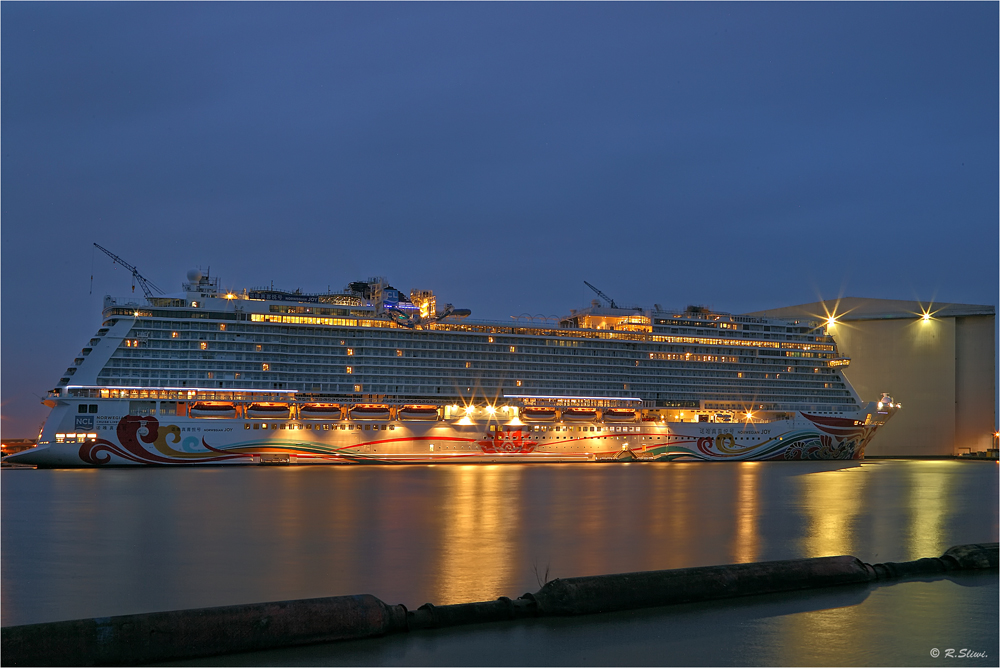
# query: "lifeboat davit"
319 412
538 414
429 413
267 410
619 415
580 414
213 409
370 412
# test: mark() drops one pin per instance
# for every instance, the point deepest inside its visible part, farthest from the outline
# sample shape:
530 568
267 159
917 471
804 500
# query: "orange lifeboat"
267 410
370 412
414 412
538 414
319 412
580 414
619 415
213 409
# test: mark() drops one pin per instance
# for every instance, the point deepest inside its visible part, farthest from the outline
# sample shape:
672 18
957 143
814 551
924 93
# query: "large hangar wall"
975 384
942 369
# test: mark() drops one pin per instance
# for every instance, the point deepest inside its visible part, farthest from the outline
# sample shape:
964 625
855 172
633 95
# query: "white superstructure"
269 375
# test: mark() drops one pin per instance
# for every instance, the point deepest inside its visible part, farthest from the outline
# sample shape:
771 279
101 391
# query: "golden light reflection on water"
746 544
833 501
930 486
480 523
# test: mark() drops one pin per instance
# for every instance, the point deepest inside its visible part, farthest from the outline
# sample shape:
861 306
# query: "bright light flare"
831 321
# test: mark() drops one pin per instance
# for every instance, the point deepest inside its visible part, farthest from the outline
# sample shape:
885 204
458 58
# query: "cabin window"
142 408
82 408
93 408
257 426
309 426
246 425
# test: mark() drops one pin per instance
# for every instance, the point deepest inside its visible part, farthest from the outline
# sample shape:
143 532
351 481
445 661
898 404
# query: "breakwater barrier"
186 634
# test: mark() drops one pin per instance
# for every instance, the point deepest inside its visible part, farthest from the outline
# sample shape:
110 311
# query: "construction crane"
603 296
148 287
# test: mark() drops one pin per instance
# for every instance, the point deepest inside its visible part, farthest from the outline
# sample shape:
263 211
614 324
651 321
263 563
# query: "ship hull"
131 440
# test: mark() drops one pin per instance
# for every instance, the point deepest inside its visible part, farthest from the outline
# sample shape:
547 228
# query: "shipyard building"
938 361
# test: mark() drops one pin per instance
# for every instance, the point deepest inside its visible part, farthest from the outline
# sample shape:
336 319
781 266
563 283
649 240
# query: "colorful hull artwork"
134 440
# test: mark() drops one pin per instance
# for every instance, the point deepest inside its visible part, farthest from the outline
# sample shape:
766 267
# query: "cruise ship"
370 374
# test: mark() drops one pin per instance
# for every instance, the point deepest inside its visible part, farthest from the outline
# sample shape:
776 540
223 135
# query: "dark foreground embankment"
152 637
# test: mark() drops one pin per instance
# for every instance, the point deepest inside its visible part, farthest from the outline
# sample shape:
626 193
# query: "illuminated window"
203 345
519 383
512 349
350 369
257 347
211 374
174 335
357 388
222 326
468 365
399 353
265 367
491 339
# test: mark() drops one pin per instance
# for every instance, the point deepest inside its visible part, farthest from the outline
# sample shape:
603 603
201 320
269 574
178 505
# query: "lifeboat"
213 409
370 412
579 414
619 415
267 410
429 413
319 412
532 414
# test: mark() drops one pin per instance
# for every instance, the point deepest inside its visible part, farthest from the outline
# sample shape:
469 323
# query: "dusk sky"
741 156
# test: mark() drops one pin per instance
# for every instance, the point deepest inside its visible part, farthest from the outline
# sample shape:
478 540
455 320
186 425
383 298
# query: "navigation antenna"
147 286
600 294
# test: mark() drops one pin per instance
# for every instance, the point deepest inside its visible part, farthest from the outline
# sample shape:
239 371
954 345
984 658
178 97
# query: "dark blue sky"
742 156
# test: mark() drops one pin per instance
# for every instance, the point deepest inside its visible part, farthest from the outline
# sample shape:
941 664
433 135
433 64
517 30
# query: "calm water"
94 543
